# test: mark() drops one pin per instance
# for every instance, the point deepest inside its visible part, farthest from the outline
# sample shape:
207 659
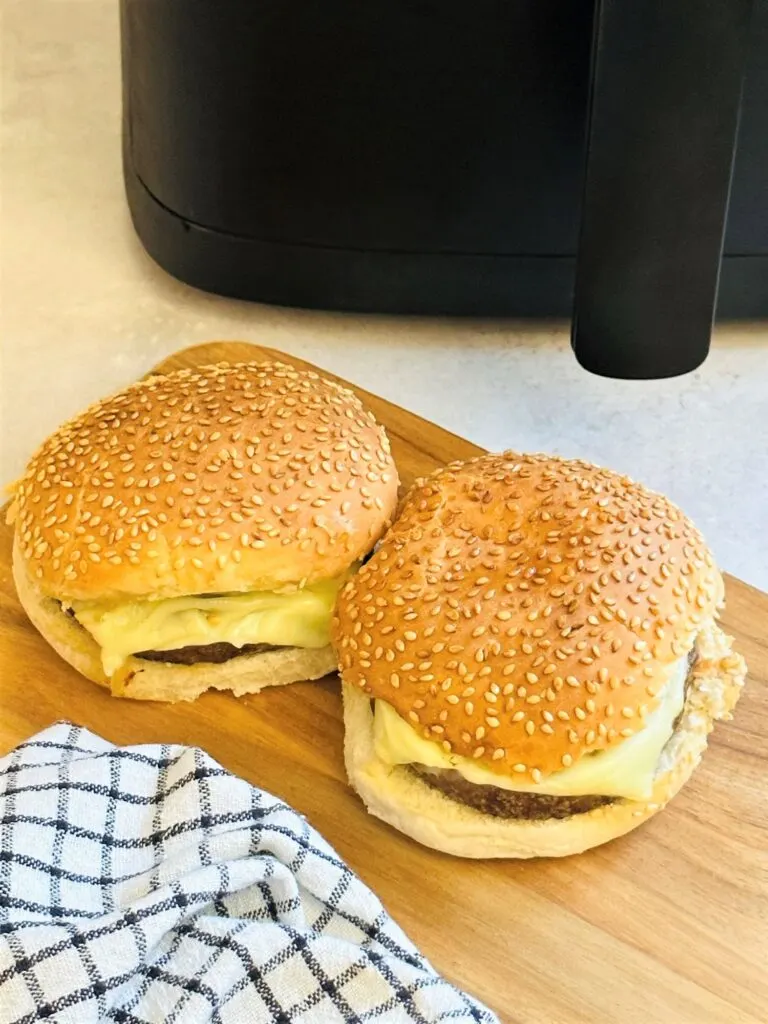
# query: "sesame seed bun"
149 680
525 610
403 800
222 479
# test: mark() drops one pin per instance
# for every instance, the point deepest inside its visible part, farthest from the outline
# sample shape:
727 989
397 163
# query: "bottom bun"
399 797
154 680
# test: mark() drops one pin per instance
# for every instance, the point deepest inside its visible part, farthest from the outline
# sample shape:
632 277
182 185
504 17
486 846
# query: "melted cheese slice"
298 619
625 770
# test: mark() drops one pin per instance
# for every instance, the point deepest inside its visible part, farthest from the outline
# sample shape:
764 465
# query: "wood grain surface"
668 925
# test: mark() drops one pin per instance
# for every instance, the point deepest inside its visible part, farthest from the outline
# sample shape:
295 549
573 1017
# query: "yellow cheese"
298 619
626 770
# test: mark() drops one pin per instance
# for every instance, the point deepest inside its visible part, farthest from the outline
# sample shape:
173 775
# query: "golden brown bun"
220 479
525 610
149 680
400 798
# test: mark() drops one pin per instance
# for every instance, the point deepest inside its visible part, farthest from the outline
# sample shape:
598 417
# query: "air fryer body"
416 157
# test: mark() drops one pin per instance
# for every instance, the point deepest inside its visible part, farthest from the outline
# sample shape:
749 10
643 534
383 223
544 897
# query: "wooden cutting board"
668 925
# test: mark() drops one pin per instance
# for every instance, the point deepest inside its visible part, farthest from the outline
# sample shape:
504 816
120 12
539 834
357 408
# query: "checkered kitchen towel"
147 883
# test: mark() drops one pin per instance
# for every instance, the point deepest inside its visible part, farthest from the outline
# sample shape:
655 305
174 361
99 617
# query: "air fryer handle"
663 117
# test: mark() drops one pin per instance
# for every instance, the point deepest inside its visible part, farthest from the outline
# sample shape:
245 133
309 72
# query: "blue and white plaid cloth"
147 884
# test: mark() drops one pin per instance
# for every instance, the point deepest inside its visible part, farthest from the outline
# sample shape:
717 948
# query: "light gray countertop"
84 311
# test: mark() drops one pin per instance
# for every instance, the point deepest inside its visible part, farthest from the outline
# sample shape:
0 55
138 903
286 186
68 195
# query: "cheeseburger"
193 531
531 661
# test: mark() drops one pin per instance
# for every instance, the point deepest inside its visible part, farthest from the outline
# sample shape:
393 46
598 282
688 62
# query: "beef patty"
210 653
506 803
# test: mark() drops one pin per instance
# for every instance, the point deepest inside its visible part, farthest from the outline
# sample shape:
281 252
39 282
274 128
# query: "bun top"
525 610
226 478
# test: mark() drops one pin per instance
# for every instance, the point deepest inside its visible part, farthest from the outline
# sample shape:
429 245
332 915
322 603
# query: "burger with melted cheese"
194 530
531 661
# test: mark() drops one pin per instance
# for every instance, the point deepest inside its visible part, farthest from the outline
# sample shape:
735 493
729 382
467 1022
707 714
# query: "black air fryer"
493 158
